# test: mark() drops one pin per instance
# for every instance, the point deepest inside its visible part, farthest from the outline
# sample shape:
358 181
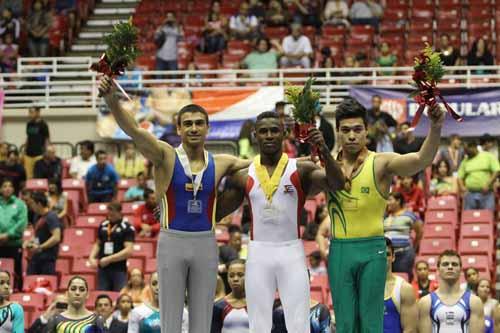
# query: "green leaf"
122 44
304 101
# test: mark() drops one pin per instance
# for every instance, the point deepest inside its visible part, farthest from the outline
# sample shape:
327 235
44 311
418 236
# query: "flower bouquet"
428 73
121 52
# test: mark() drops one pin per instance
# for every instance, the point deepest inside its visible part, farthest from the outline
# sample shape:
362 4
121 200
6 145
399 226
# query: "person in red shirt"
413 195
146 222
422 284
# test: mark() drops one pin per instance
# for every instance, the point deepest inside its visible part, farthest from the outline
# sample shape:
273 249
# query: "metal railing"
67 83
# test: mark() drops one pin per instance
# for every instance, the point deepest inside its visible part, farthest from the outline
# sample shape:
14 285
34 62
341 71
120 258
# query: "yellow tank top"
360 212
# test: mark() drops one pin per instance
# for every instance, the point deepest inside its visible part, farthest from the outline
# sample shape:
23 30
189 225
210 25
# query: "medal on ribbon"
270 184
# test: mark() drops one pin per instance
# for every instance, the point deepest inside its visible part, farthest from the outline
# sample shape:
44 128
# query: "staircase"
106 14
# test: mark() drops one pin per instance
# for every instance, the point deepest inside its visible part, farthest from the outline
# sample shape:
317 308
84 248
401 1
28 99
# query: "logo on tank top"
450 318
189 187
288 189
365 190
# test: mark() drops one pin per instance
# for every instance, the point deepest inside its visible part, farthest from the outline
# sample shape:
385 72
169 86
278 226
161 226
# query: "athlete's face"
352 135
193 128
4 285
269 135
236 277
484 289
449 269
77 293
422 271
153 284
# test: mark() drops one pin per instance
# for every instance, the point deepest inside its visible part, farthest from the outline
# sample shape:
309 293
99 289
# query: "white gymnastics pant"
282 266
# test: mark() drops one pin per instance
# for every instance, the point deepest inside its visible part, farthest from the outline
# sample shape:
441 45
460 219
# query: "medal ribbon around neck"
270 184
357 164
183 158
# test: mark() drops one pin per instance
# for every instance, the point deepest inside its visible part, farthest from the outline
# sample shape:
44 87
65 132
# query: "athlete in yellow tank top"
357 252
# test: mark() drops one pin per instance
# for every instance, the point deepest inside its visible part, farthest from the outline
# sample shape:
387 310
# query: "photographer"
166 38
58 306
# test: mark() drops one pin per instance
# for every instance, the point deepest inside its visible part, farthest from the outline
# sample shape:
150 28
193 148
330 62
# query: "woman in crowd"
443 182
58 200
77 318
489 303
214 35
123 308
11 314
386 58
480 55
245 144
130 164
136 287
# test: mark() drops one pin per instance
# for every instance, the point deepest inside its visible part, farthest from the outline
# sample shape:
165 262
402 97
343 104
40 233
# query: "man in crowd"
38 138
487 143
413 195
104 308
12 169
50 166
422 285
136 193
465 314
242 25
166 38
14 217
297 49
454 153
476 176
375 113
146 221
101 179
44 247
112 249
365 12
80 164
406 142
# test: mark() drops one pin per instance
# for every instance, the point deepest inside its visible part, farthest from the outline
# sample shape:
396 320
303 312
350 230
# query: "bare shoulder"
407 292
381 159
424 302
475 302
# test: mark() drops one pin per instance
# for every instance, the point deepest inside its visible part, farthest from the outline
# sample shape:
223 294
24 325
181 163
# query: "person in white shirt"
243 26
336 12
80 164
297 49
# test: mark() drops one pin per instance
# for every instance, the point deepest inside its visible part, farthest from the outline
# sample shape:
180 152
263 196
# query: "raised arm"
145 142
412 163
424 317
476 314
409 309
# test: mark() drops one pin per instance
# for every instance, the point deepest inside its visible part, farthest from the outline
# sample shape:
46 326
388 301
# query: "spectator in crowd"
38 23
77 314
43 248
398 226
406 142
443 182
256 8
166 38
58 306
12 169
79 165
136 193
453 153
380 137
297 49
15 6
413 195
214 34
315 267
121 315
101 179
12 224
365 12
130 164
37 140
450 55
484 293
10 52
11 314
147 223
376 113
325 60
146 317
471 275
9 25
4 151
336 12
232 251
476 176
480 55
308 12
422 284
25 196
50 166
229 313
104 308
136 287
112 249
487 143
58 200
386 58
263 57
245 142
276 16
242 25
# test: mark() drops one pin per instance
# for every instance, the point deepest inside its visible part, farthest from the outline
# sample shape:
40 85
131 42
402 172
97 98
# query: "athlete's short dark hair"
191 108
449 253
267 115
103 296
237 262
350 108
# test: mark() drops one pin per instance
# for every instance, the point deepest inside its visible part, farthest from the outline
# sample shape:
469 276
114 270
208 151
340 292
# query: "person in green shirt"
263 57
476 176
386 58
13 220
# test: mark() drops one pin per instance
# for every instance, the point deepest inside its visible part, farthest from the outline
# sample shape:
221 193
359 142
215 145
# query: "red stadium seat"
93 294
90 278
442 203
477 14
320 281
475 245
31 282
89 221
439 230
76 235
435 245
80 250
76 185
276 32
82 266
7 264
129 208
448 14
135 263
63 266
430 259
317 294
478 230
142 250
125 184
238 47
395 14
29 301
97 208
480 262
37 184
477 216
206 62
150 266
445 216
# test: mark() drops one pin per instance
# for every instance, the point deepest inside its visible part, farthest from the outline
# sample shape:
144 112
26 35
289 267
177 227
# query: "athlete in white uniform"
276 258
450 309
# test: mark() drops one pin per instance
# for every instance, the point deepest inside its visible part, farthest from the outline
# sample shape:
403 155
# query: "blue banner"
480 109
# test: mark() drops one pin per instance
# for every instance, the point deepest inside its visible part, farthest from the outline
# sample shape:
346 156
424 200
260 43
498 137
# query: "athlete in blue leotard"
11 314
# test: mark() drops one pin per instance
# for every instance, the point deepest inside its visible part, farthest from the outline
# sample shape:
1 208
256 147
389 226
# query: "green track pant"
357 269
